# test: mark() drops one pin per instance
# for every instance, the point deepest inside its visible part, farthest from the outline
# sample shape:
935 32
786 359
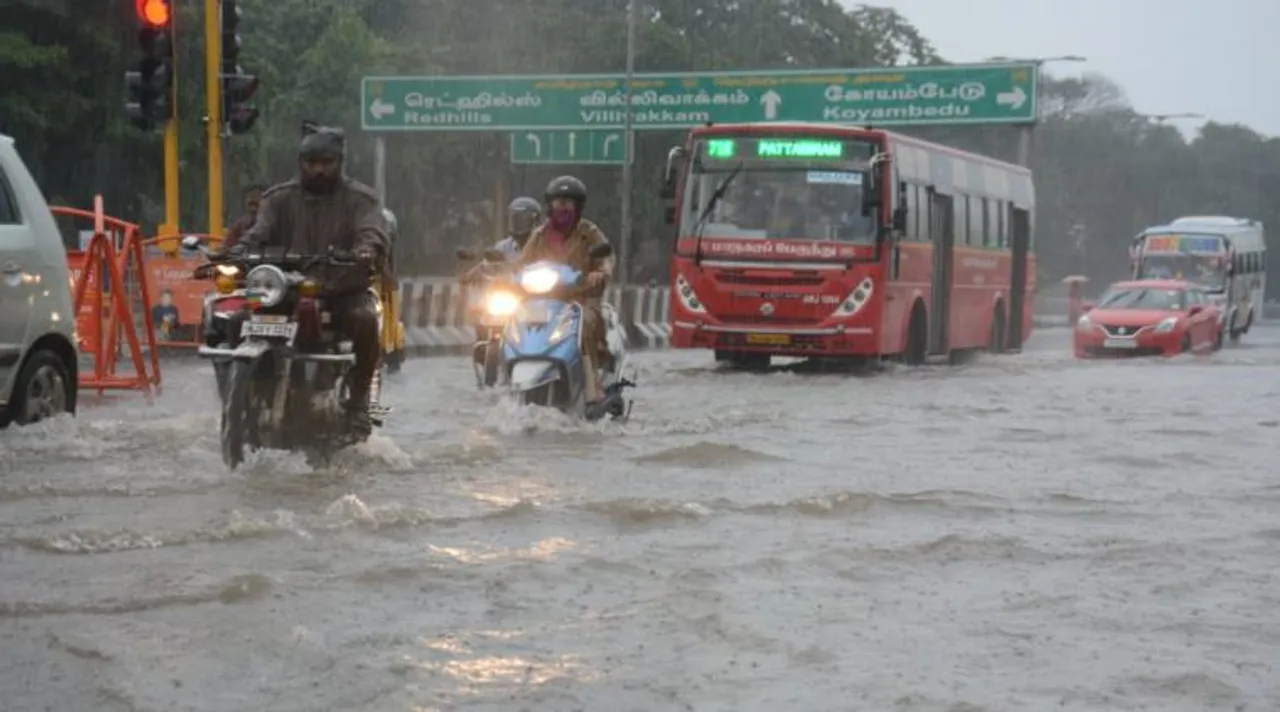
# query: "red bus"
829 241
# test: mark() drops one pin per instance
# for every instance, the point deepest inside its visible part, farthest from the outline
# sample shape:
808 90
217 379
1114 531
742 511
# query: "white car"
39 364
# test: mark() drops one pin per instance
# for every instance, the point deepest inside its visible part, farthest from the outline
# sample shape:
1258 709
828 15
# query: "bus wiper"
701 225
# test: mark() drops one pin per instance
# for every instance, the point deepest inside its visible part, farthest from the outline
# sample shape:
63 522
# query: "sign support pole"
623 259
213 111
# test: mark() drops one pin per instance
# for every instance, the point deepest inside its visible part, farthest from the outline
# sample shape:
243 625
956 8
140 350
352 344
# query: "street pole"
624 242
213 110
1160 120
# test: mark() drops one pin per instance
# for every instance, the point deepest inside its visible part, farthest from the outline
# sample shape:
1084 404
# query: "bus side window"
989 236
960 220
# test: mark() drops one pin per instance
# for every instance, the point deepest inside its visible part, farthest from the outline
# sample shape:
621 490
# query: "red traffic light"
154 13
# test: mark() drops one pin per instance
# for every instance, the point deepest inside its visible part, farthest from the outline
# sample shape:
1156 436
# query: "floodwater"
1024 533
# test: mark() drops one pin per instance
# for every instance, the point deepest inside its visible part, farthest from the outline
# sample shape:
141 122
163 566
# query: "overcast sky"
1219 58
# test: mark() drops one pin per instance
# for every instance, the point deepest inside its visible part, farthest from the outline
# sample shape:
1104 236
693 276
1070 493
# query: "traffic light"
150 84
237 87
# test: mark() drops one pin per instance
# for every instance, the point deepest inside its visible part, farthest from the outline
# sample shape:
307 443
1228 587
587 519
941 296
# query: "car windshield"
1206 270
1144 298
784 190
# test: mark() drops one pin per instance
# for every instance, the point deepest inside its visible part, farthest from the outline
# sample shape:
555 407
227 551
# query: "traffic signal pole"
172 205
213 110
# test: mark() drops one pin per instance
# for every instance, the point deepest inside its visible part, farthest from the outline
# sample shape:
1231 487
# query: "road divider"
437 313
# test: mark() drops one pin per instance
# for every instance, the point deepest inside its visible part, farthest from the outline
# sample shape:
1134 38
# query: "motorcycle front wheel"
237 417
492 362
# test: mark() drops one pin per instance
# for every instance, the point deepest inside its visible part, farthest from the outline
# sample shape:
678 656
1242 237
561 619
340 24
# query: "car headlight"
539 281
688 299
1167 325
1085 323
267 284
501 304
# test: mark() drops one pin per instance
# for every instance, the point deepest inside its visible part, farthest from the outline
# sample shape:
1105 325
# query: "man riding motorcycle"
567 237
324 208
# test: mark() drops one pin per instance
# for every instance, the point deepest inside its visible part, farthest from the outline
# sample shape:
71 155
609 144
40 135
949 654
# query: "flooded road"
1025 533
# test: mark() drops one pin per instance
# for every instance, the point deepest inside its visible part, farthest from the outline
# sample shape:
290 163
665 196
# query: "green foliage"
1102 171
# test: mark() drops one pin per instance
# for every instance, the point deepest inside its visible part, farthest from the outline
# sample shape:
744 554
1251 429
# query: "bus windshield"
787 188
1195 258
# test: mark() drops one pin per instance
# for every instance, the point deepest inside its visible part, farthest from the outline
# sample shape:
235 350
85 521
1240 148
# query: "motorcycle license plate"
535 313
271 329
1119 344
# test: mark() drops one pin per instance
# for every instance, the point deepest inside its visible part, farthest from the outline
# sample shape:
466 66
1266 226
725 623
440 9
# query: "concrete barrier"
437 315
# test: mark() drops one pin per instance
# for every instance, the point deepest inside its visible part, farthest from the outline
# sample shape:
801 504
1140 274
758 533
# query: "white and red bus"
1226 255
842 242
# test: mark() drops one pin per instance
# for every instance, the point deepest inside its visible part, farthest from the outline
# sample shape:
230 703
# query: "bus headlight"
688 299
856 300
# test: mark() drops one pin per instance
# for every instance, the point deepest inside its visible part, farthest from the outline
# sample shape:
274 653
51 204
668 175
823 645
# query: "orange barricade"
103 281
179 311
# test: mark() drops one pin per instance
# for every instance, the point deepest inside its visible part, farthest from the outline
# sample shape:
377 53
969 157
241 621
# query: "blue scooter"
542 344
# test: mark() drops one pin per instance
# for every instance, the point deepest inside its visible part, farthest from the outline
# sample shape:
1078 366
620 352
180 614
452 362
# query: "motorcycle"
542 343
281 369
496 305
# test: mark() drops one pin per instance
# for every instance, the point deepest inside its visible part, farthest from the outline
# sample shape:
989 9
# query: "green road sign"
902 96
568 147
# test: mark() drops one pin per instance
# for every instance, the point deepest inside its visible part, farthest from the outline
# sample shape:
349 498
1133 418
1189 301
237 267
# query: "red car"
1151 317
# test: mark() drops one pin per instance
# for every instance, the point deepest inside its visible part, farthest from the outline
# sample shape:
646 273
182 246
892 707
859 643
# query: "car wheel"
44 389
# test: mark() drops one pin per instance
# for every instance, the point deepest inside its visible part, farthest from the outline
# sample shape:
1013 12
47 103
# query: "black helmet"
567 187
322 141
523 215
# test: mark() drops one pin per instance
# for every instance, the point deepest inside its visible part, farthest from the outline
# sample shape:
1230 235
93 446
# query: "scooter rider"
523 215
567 237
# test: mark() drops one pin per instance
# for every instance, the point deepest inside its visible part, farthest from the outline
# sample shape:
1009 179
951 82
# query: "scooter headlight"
501 304
539 281
267 284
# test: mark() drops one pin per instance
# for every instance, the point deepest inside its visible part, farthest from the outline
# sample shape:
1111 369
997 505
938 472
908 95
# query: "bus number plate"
769 339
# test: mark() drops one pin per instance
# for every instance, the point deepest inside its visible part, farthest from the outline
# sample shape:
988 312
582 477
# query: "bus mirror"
675 161
669 214
900 218
871 188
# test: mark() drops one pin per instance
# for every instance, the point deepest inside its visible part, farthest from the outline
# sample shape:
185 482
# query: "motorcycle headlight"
539 281
229 270
267 284
501 304
1167 325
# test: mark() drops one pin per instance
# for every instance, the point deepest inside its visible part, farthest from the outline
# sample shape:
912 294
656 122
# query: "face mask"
563 218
